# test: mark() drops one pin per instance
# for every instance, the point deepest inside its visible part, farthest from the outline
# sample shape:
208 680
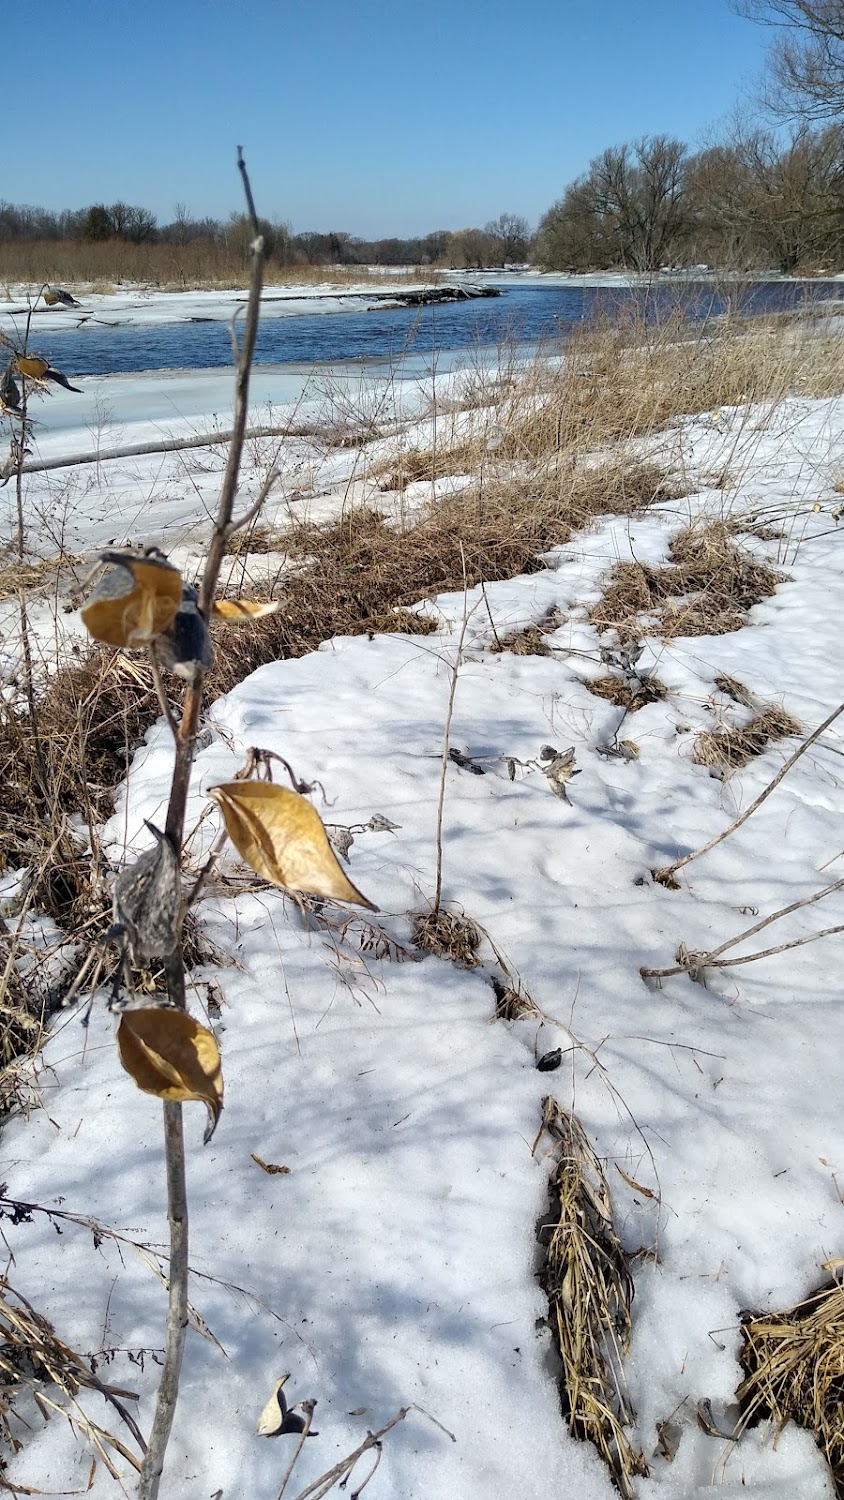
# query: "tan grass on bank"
104 265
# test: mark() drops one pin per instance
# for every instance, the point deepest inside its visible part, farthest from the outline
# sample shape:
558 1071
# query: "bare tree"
510 237
761 199
630 208
807 58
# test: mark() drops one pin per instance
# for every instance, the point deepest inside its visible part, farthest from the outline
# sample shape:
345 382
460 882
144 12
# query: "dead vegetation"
731 746
102 265
40 1373
587 1281
446 933
531 640
708 588
793 1363
631 693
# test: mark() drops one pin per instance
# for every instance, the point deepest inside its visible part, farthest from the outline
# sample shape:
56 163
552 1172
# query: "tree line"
502 241
769 195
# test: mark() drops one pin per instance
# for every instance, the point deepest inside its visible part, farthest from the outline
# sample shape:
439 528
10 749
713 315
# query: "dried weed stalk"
589 1289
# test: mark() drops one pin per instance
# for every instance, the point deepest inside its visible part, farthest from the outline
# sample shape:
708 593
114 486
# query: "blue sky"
374 116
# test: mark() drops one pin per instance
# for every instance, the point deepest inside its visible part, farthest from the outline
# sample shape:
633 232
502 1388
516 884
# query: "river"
528 314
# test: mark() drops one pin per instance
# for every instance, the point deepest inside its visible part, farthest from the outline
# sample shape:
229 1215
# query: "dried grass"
708 589
794 1364
31 576
589 1289
447 934
631 693
729 747
101 265
39 1369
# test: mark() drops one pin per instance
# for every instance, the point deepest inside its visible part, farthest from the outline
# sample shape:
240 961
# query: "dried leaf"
277 1417
134 600
637 1187
282 837
270 1167
242 611
170 1055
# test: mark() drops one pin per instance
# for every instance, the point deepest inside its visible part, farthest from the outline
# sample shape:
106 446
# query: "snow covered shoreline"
399 1250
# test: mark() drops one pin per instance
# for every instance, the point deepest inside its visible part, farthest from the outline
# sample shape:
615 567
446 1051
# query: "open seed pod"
136 598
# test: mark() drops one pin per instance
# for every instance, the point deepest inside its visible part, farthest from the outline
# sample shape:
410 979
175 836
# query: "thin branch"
308 1408
669 870
184 740
319 1487
256 507
705 960
455 673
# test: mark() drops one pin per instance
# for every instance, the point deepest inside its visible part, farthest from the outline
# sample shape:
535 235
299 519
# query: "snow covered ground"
141 305
396 1261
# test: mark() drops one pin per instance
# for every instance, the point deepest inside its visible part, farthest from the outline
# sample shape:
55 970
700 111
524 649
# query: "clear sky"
374 116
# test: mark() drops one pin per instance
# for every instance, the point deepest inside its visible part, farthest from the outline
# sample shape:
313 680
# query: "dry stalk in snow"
590 1291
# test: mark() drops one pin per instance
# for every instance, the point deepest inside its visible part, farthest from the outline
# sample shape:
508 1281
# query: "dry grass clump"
415 464
448 934
357 571
631 693
732 746
528 642
531 640
254 539
590 1291
31 576
794 1363
37 1369
512 1001
708 588
626 376
68 760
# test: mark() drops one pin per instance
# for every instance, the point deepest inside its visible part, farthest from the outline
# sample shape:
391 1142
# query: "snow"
396 1262
137 305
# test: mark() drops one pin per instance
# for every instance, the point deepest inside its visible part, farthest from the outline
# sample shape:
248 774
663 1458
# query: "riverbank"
613 565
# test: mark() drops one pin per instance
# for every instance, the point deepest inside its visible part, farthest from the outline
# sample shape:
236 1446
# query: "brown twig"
693 961
184 739
669 870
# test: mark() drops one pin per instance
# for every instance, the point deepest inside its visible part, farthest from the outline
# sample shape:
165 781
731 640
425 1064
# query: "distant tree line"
761 199
504 240
769 195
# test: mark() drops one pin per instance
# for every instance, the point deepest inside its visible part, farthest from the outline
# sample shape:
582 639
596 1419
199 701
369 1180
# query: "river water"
528 314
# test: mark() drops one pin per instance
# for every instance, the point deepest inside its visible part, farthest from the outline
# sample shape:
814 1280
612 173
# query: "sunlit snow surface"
396 1262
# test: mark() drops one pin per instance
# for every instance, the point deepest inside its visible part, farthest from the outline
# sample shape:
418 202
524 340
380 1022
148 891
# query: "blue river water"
528 314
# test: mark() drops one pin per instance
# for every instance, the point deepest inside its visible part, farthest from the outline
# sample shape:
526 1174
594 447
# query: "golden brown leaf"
282 837
170 1055
242 611
134 600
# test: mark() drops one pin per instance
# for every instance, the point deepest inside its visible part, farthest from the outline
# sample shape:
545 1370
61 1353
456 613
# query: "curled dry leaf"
277 1417
242 611
170 1055
134 600
282 837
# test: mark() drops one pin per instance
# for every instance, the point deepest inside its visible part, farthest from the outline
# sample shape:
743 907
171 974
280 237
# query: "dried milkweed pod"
277 1417
147 896
167 1053
284 840
185 646
134 600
